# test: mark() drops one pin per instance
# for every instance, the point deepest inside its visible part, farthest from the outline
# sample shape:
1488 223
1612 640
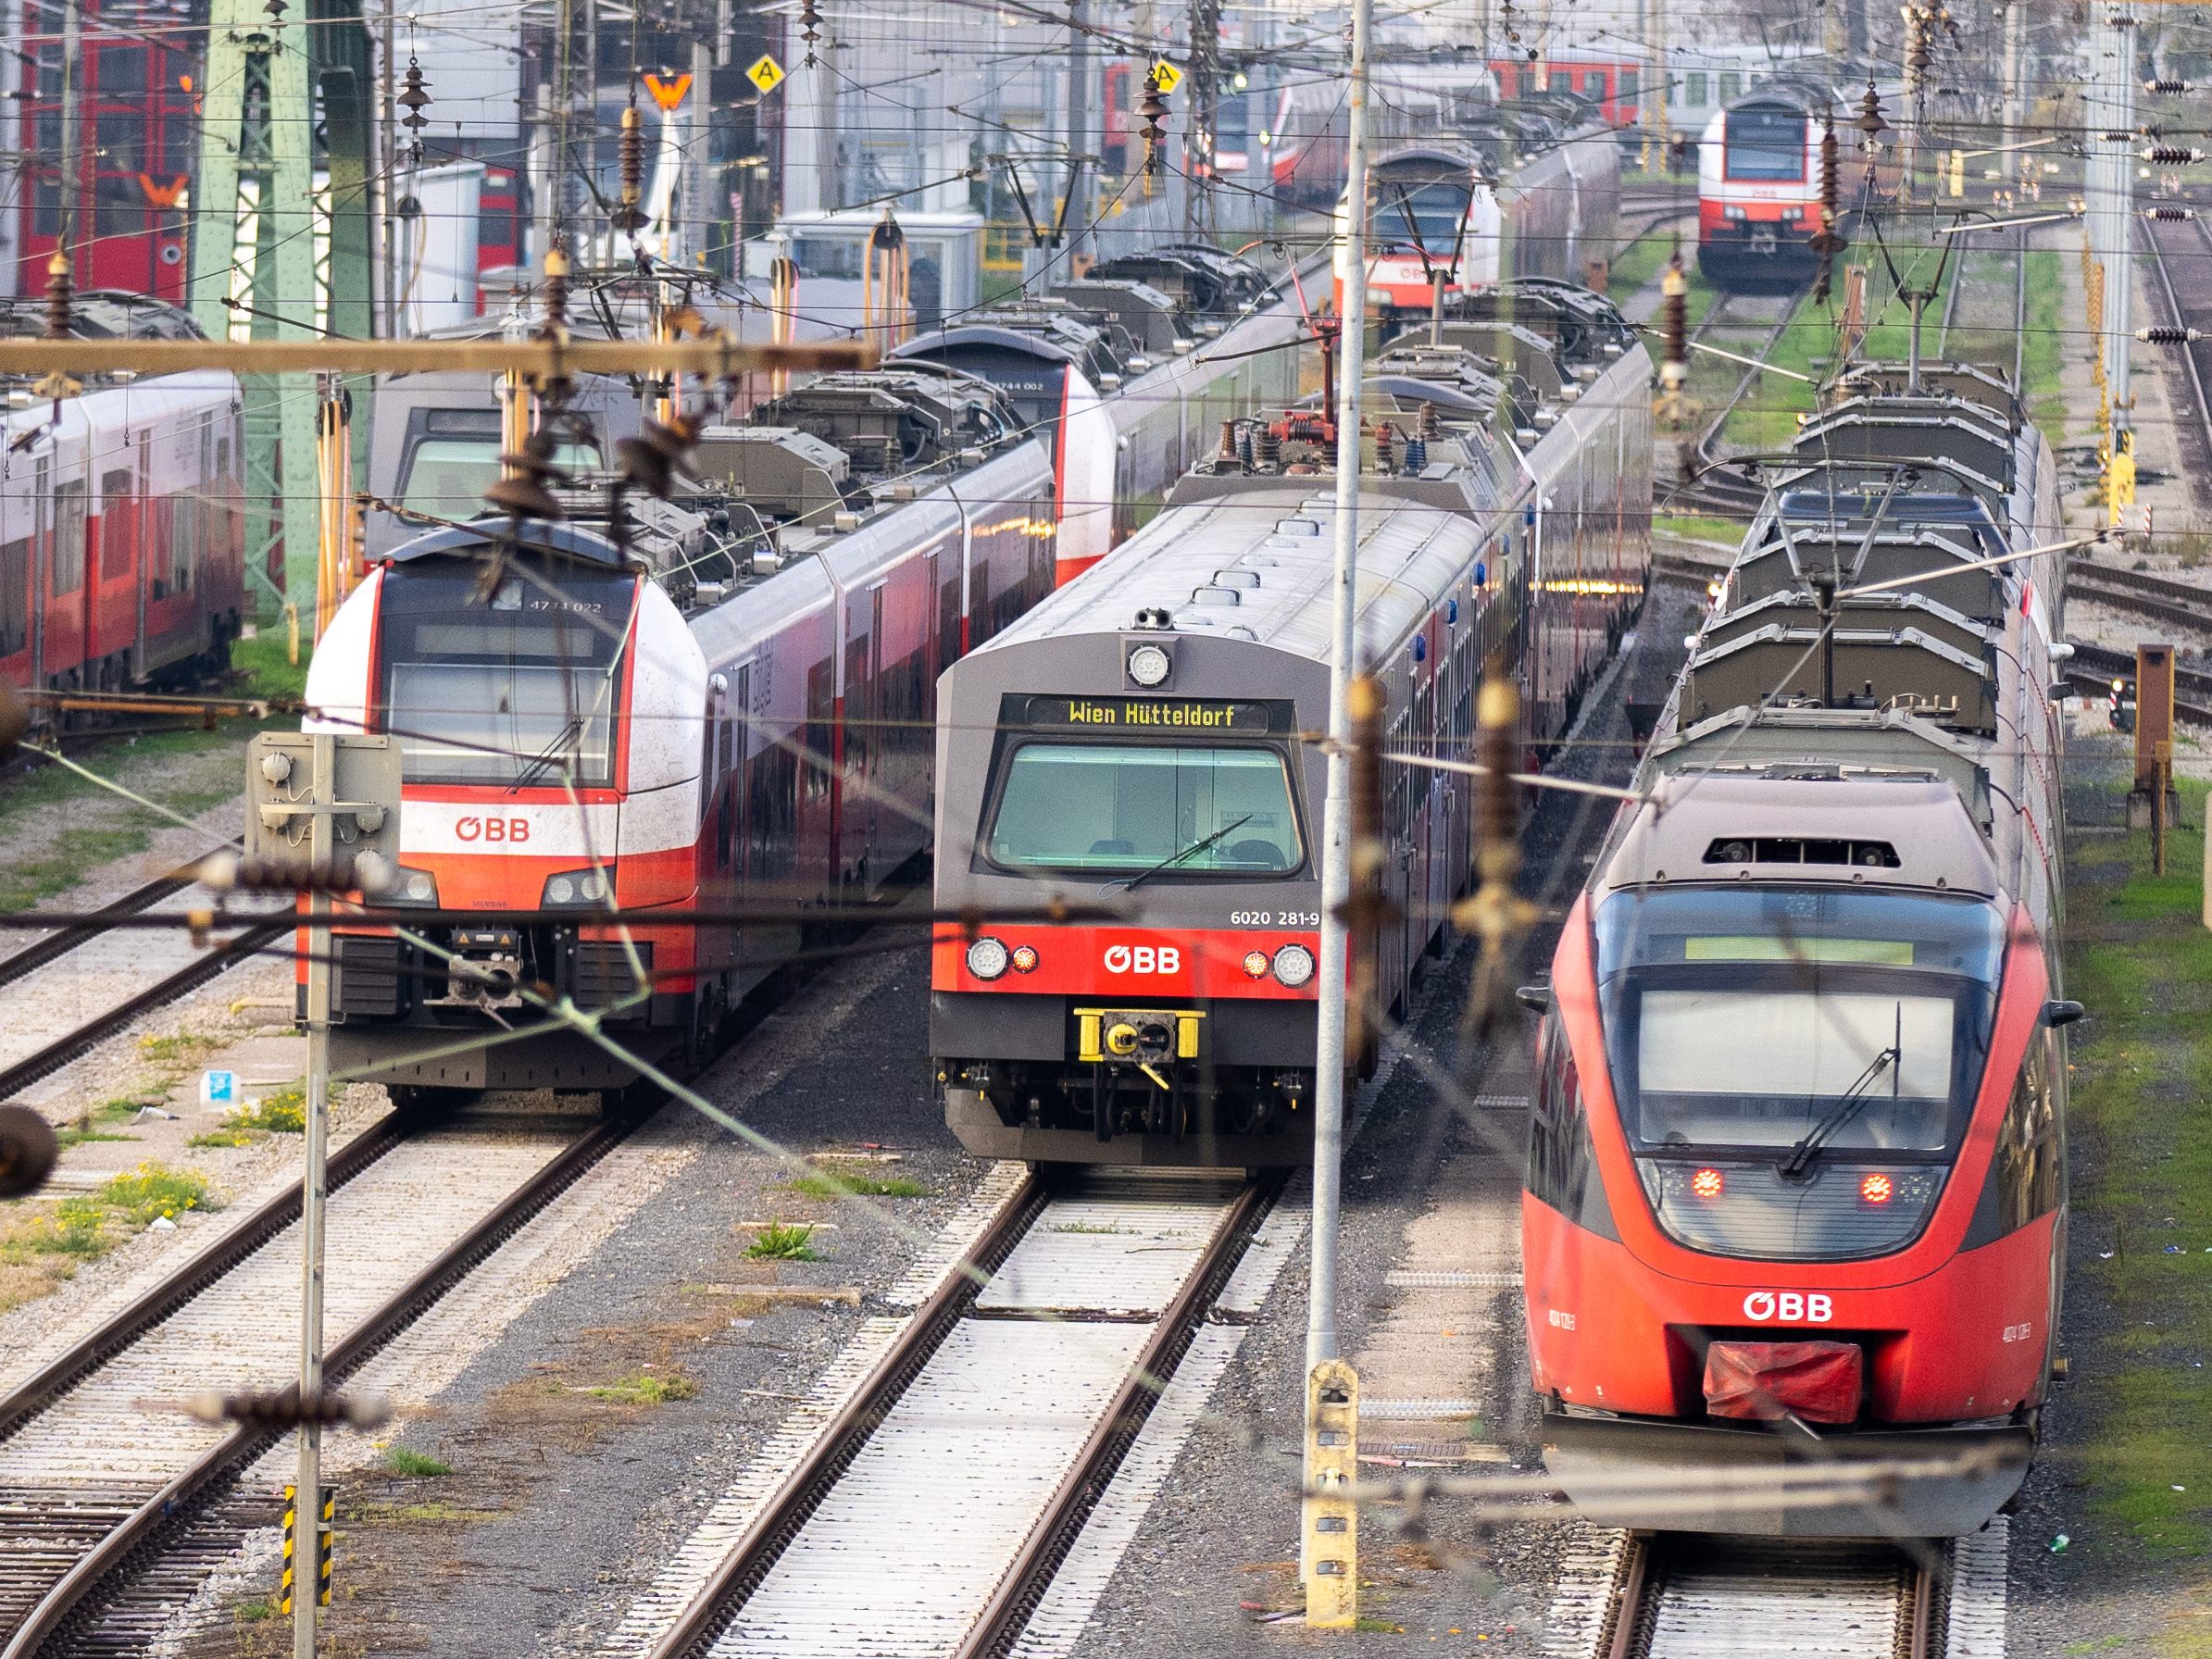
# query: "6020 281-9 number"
1274 919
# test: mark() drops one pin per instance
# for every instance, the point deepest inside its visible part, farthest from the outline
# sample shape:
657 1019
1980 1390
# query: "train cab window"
1431 216
515 691
1764 145
1126 808
1795 1067
445 475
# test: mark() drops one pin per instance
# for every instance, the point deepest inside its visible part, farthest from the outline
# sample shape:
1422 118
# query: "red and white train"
1138 734
122 524
1759 184
746 726
1797 1183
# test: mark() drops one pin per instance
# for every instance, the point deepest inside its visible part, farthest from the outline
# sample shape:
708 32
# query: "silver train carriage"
1137 736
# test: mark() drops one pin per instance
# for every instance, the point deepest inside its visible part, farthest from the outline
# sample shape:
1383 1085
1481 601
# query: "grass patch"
2142 1094
222 1137
2043 359
781 1241
77 1134
175 1049
255 1612
1641 261
415 1465
644 1390
1380 1626
283 1112
264 666
76 1228
154 1191
861 1186
1697 526
435 1509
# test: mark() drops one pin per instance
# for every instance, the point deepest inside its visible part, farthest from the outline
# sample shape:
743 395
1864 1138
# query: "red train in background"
122 522
1795 1197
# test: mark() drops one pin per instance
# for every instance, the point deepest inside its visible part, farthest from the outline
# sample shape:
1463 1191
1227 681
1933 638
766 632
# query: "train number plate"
1274 919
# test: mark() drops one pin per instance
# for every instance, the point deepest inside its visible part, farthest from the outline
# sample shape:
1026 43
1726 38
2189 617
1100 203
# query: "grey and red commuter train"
122 523
1139 735
1796 1181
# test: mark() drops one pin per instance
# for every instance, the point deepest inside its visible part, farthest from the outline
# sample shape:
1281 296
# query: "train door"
39 557
141 531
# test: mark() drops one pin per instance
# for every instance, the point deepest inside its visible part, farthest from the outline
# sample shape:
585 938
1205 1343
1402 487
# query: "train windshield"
445 477
1123 809
516 691
1795 1069
1747 1017
1764 145
1428 216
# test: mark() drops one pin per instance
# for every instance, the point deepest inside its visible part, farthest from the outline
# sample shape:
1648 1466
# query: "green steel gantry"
254 265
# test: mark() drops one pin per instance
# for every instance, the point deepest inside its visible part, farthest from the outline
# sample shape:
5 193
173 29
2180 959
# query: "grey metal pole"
2119 285
307 1536
2015 14
72 130
1343 664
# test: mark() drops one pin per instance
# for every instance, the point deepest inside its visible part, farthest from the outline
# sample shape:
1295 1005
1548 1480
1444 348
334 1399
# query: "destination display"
1146 714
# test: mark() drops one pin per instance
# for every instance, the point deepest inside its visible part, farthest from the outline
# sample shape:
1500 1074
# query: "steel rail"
2101 585
62 940
93 1032
205 1269
749 1561
2188 351
1001 1622
1630 1628
137 1540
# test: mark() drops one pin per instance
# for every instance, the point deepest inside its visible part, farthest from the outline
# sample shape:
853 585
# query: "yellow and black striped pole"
324 1550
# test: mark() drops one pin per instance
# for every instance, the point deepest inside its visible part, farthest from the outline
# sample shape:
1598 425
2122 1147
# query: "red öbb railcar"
1796 1191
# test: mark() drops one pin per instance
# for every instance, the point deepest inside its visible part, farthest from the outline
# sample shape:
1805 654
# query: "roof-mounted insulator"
2170 215
2170 155
1151 109
649 461
1869 115
415 98
61 296
2166 334
627 215
2168 86
810 27
1674 326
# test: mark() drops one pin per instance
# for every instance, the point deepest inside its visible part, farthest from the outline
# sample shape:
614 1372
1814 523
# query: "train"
1796 1194
1138 737
729 705
122 518
1759 183
1437 213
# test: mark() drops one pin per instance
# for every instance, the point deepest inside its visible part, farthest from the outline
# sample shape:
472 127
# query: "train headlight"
1025 958
1255 965
1293 965
988 959
411 887
1148 664
578 887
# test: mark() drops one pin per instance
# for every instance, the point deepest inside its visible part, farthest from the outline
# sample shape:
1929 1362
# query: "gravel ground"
563 1503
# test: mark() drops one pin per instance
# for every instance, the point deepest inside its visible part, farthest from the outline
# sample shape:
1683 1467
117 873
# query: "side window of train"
69 536
15 596
859 705
118 538
821 732
2030 1168
1559 1150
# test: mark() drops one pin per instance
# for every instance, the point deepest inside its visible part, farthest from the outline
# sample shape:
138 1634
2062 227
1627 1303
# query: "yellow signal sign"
1166 76
767 74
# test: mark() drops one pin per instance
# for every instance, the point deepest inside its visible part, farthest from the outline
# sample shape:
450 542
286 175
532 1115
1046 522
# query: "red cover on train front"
1821 1382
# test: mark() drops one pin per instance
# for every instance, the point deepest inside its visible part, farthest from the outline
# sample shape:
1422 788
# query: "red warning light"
1876 1189
1707 1183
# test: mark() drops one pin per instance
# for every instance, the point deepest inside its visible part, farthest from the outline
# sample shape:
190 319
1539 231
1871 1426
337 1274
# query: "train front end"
547 699
1758 194
1795 1194
1158 775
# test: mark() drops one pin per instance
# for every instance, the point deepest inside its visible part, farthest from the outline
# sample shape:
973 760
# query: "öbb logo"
1143 959
511 831
1789 1305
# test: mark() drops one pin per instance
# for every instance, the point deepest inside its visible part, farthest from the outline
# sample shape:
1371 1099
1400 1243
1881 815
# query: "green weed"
177 1048
153 1191
223 1136
77 1228
77 1135
283 1112
643 1389
780 1241
254 1611
862 1185
415 1465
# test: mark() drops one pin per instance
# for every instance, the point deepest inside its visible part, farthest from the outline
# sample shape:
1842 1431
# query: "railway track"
62 940
1691 1595
2180 253
2141 593
113 1503
929 1514
1710 488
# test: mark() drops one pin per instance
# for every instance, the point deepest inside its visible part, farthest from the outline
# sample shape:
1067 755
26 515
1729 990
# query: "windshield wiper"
1130 883
1848 1106
549 753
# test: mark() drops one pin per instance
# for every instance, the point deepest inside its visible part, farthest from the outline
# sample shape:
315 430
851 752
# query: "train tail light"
1819 1382
1024 958
1709 1183
1255 965
1876 1189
